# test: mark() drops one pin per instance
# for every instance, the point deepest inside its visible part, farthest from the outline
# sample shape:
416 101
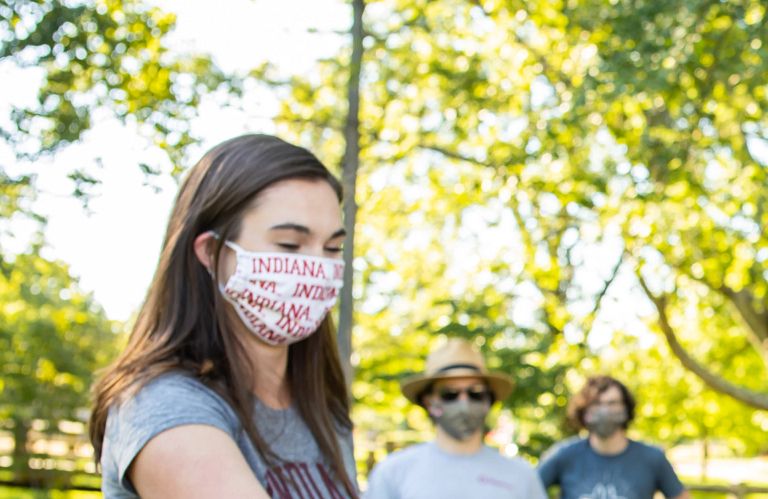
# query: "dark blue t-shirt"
636 473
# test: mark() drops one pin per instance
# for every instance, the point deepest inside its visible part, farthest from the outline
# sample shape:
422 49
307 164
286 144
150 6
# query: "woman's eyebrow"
339 233
305 230
291 226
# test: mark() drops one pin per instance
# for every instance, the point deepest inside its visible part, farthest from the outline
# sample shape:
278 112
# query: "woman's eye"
289 246
334 250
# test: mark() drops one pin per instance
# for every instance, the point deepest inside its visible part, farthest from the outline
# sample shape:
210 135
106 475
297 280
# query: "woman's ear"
204 244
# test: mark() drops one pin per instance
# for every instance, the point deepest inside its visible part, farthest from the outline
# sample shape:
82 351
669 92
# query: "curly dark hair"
594 387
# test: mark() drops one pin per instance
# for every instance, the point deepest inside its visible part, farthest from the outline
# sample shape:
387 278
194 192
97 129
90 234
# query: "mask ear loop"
207 366
435 412
214 235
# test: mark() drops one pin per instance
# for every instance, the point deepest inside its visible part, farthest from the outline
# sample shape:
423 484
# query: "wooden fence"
59 456
56 456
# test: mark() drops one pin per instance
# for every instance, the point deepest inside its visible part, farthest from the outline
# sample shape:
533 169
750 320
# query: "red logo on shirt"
301 481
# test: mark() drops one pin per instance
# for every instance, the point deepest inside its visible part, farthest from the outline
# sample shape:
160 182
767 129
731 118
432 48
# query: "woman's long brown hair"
182 325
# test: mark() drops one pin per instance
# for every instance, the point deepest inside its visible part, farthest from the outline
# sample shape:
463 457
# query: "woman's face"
292 216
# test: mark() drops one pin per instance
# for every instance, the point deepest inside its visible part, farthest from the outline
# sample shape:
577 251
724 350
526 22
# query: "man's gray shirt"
424 471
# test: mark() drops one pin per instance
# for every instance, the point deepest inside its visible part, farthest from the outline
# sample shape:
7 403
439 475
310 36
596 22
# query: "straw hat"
455 359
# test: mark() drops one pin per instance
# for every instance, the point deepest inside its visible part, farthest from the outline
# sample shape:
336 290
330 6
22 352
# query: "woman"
231 384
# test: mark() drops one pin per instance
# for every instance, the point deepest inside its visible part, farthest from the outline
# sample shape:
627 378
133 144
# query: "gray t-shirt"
424 471
636 473
175 399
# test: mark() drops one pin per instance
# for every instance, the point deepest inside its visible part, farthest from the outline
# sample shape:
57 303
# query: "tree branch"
743 301
599 299
454 155
715 382
756 323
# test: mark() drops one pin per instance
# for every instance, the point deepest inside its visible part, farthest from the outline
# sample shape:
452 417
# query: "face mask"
603 421
282 297
460 419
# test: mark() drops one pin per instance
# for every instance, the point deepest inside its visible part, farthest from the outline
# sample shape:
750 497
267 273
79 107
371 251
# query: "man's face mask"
282 297
460 417
604 421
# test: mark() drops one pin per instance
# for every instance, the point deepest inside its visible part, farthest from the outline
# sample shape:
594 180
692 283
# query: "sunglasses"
474 394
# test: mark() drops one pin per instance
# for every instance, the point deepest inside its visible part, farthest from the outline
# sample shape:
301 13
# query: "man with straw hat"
457 392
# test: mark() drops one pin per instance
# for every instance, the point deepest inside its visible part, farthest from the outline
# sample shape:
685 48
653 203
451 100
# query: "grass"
719 495
22 493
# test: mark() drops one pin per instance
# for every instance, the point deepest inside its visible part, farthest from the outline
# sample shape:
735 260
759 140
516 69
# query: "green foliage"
98 59
506 146
677 407
624 129
53 337
21 493
105 54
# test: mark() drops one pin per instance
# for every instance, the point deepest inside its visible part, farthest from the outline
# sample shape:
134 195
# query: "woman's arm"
193 461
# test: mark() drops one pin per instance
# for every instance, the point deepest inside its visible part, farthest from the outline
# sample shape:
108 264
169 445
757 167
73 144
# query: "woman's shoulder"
172 386
170 399
166 401
180 381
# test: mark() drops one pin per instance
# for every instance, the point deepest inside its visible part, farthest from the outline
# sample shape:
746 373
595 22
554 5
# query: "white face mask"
282 297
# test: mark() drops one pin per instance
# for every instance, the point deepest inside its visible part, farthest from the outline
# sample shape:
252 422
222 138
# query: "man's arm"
549 467
668 481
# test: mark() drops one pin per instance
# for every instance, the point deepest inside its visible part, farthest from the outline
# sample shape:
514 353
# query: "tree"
350 165
99 58
670 97
523 165
678 407
682 91
53 337
624 130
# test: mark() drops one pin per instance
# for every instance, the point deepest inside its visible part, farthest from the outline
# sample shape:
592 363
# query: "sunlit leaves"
630 130
519 161
52 339
108 55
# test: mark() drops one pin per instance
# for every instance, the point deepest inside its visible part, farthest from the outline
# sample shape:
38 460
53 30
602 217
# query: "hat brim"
500 384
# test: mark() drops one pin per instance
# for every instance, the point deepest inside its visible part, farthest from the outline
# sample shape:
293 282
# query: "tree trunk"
349 180
21 471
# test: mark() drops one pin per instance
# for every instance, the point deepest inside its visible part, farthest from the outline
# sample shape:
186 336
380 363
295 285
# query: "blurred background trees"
53 337
577 185
560 178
